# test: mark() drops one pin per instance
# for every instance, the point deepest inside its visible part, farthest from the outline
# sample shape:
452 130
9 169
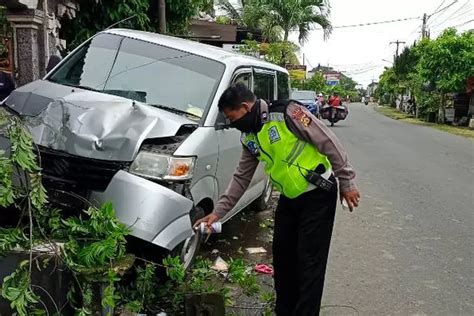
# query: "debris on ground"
220 265
255 250
215 251
263 268
235 238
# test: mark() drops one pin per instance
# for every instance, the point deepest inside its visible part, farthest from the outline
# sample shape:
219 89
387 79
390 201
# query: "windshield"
144 72
303 95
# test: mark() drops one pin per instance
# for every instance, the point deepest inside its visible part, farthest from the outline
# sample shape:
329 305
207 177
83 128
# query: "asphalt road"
409 248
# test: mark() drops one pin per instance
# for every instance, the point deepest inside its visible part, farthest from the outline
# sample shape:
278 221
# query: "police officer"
302 158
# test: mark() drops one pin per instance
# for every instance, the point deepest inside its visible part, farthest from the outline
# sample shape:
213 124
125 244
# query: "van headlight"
163 167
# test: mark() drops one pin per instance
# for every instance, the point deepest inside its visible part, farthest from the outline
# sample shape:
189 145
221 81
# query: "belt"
325 175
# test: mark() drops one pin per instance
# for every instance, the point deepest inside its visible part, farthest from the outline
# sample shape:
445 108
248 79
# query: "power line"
455 12
439 6
467 22
458 18
373 23
452 17
443 9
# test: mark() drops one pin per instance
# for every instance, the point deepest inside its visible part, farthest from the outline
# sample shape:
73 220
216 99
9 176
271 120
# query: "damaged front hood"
90 124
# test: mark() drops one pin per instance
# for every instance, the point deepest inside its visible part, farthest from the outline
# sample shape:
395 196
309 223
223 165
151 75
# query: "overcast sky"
360 50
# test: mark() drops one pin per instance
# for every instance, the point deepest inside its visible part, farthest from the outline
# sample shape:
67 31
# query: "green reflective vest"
286 157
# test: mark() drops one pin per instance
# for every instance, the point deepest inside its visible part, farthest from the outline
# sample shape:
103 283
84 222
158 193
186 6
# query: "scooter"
334 113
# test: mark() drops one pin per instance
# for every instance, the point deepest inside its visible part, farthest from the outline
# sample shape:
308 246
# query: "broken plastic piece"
220 265
255 250
264 269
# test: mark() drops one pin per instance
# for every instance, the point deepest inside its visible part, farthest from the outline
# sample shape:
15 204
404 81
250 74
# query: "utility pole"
398 44
161 16
423 27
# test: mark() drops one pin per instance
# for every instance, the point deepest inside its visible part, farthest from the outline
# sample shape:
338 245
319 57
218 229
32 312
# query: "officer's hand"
352 198
209 220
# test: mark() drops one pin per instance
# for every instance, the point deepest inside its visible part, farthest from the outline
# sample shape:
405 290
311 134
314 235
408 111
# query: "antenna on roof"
123 20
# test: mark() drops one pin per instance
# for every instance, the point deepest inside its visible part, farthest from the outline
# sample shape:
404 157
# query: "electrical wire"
373 23
453 18
467 22
438 16
443 9
454 13
439 6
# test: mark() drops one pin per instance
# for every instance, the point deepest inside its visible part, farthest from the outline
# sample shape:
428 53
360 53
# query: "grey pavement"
408 249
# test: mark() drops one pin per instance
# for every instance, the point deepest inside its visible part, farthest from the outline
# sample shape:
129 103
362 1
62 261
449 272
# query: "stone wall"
36 26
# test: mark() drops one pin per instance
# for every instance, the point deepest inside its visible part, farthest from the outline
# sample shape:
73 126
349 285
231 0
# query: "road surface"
408 249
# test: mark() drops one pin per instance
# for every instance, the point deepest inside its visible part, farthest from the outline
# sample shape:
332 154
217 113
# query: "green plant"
17 289
86 23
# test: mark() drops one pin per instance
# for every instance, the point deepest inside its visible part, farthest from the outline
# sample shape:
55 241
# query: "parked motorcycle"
334 113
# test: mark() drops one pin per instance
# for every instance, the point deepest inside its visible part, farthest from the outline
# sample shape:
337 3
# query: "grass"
396 115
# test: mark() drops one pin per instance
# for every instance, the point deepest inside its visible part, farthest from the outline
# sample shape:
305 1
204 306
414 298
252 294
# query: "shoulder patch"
252 147
302 117
273 134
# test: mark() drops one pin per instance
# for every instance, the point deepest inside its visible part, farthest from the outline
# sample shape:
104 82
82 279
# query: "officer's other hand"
352 198
209 220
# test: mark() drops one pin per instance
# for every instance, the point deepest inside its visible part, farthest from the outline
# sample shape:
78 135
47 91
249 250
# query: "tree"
87 22
387 86
279 53
299 15
253 15
316 83
446 63
143 12
180 13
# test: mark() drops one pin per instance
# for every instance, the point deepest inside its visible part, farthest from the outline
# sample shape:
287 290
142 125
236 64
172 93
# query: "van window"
243 78
283 86
264 86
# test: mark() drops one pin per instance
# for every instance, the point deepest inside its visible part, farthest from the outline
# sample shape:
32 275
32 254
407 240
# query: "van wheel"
263 202
188 249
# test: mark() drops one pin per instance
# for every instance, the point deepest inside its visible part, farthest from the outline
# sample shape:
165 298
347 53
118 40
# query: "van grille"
78 172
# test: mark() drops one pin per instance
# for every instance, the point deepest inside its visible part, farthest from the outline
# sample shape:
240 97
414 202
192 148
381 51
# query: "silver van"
131 117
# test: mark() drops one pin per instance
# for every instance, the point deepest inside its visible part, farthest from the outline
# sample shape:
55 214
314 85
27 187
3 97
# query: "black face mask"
250 122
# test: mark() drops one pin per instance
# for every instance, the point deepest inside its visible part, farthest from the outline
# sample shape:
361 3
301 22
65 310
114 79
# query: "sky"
363 52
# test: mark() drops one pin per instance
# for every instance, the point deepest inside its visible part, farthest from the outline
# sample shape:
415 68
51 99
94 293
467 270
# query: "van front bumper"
153 212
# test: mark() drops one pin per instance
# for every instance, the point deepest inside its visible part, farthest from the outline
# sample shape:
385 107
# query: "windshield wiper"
74 86
174 110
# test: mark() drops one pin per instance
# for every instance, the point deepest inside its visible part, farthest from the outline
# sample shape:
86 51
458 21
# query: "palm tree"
252 14
299 15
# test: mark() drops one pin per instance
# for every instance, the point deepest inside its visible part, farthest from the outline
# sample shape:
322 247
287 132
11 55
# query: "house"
34 35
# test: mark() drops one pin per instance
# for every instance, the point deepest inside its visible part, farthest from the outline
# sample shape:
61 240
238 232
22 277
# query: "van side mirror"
53 61
222 125
222 122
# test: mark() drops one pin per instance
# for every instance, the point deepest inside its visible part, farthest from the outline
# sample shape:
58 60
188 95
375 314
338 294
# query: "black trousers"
303 229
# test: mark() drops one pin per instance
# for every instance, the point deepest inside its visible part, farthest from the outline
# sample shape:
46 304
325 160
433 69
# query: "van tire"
263 201
188 249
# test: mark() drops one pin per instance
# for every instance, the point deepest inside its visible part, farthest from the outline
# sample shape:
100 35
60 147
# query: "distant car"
308 98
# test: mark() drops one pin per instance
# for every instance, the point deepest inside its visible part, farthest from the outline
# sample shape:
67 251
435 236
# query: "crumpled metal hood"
90 124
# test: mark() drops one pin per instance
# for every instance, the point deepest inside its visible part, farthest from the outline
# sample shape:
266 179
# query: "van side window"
264 86
283 86
243 78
